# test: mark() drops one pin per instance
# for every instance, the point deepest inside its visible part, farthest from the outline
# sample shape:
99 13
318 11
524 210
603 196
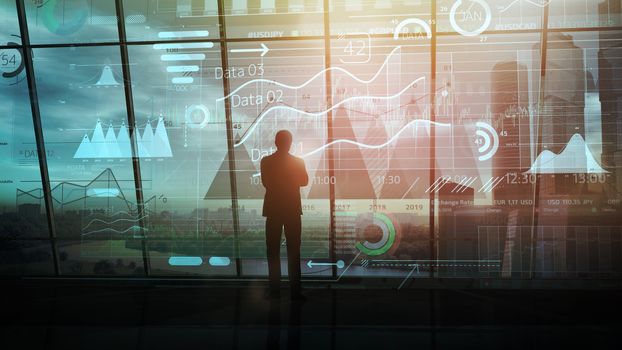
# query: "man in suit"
282 175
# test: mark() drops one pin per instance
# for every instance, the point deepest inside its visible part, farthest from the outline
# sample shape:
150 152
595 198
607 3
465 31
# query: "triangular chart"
151 144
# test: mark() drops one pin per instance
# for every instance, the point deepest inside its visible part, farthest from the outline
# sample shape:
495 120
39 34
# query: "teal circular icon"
64 17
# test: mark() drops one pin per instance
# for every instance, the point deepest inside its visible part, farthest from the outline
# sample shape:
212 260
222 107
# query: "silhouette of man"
282 175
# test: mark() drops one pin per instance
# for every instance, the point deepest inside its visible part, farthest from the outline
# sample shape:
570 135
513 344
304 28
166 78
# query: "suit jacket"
282 175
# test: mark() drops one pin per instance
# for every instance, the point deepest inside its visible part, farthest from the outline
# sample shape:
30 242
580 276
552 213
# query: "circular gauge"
380 235
474 17
11 63
488 140
197 116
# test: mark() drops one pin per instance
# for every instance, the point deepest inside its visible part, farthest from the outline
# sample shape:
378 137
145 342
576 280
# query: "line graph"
362 112
372 146
542 3
317 114
68 192
323 71
377 146
134 228
111 222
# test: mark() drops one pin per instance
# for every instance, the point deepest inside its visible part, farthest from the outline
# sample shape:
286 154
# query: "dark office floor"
54 315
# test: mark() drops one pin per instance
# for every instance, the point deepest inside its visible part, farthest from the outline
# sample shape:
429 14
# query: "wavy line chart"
134 229
320 113
362 145
376 146
542 4
310 80
119 213
94 221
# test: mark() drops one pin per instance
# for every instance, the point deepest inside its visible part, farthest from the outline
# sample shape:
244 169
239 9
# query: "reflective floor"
104 315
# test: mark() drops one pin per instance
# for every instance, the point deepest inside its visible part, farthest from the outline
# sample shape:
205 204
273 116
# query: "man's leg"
274 228
292 234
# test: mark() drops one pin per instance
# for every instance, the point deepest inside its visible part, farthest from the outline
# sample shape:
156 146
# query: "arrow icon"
340 264
264 50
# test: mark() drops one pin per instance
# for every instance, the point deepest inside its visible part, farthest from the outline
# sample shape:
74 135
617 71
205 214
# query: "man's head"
283 140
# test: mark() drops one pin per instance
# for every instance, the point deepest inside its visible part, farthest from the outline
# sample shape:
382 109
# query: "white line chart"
118 213
372 146
108 229
377 146
323 71
112 222
542 4
316 114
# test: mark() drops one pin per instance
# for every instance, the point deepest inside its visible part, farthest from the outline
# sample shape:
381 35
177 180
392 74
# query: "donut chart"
197 116
11 64
386 242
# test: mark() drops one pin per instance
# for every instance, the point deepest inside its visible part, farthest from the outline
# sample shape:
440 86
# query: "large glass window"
472 18
9 29
584 13
284 89
574 157
359 17
380 153
169 20
183 158
24 245
485 103
71 21
442 138
86 133
273 18
21 196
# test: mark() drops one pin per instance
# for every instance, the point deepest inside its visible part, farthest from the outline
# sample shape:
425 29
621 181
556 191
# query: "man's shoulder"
282 159
296 159
267 158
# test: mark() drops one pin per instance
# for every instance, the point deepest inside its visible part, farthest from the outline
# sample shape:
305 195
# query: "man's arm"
304 177
264 175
